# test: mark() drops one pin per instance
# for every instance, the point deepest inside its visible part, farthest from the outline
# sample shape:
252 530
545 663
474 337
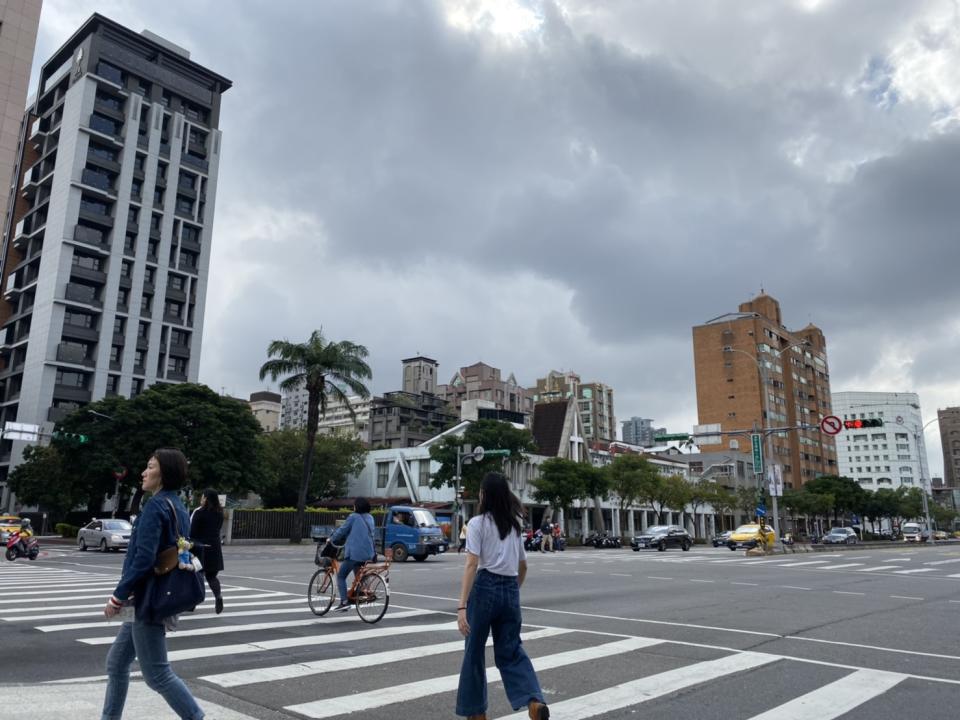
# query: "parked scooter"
601 540
15 548
533 541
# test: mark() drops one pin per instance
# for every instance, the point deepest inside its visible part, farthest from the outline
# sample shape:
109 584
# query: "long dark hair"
501 503
173 468
213 501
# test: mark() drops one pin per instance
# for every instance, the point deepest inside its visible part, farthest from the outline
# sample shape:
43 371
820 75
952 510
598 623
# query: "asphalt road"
868 632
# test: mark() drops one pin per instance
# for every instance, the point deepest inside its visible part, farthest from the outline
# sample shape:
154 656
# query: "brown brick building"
950 442
732 352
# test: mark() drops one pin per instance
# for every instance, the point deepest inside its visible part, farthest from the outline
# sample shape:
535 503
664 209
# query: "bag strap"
176 520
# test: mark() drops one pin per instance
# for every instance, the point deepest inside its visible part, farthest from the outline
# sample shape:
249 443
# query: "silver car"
106 534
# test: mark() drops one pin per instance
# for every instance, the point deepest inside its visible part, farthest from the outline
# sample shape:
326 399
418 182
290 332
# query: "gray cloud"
578 196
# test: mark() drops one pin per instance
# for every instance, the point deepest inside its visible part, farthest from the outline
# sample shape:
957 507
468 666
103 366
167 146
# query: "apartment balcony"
172 375
11 292
194 161
82 273
182 351
190 245
75 292
105 126
36 134
174 294
91 236
69 354
72 393
95 216
171 318
77 332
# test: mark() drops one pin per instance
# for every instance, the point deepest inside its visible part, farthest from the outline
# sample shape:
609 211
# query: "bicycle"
369 592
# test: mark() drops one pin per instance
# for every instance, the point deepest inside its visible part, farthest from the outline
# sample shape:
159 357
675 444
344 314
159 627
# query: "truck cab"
409 530
914 532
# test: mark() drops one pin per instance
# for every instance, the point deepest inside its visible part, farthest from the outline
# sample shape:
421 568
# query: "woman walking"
490 600
359 547
153 531
205 525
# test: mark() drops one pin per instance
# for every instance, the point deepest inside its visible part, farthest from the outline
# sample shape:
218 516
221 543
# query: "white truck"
914 532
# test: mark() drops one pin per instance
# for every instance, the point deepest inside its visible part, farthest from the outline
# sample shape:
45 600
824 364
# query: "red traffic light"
857 424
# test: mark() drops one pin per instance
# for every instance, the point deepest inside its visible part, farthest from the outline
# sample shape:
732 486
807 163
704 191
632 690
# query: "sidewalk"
85 700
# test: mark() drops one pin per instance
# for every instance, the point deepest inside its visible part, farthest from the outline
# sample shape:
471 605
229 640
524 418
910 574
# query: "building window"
424 473
383 474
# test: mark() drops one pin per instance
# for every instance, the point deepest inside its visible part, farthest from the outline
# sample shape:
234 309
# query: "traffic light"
76 438
857 424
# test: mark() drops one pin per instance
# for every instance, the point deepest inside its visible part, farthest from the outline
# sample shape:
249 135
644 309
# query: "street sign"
489 453
775 480
478 453
761 510
831 425
668 438
21 431
756 440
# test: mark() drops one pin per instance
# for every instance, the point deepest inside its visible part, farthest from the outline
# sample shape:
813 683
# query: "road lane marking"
365 701
745 583
806 562
354 662
905 597
847 592
654 577
911 572
793 587
201 613
622 574
634 692
845 565
942 562
701 581
877 568
836 699
220 630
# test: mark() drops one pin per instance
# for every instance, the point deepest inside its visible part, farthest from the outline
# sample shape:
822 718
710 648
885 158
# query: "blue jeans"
346 567
494 604
148 644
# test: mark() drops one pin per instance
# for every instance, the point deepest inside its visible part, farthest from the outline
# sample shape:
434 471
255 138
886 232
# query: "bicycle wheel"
373 597
321 592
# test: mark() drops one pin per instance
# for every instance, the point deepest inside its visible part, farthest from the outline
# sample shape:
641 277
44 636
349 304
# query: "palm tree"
324 369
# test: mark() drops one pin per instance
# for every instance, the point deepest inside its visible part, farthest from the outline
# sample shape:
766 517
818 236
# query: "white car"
105 534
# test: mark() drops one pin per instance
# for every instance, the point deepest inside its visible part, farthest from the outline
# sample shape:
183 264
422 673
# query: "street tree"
488 434
40 480
561 482
724 502
699 494
910 506
666 492
847 494
324 369
627 476
335 457
597 485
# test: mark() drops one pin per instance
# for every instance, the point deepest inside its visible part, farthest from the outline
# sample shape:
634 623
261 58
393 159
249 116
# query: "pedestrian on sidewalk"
490 600
206 524
546 531
463 538
153 531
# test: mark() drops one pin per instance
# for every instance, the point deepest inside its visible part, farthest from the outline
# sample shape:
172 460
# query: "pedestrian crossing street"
892 563
267 649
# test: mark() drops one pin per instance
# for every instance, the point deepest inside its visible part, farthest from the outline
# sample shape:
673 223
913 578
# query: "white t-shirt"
501 557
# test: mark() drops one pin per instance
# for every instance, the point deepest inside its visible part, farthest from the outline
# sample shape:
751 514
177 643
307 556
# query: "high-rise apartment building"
640 431
594 402
106 255
752 372
889 456
949 420
483 382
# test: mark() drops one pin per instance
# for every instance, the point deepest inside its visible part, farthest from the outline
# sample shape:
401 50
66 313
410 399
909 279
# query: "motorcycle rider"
26 532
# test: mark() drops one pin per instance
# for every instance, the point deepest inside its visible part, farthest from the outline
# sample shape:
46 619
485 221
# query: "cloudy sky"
574 184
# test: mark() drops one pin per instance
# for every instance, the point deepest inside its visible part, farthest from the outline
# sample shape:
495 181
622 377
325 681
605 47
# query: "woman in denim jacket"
140 638
359 548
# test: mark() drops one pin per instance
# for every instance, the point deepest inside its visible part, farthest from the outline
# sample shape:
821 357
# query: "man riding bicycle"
359 547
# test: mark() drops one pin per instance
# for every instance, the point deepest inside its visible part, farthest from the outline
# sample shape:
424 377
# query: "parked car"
661 537
914 532
721 539
840 536
751 535
8 524
940 535
106 534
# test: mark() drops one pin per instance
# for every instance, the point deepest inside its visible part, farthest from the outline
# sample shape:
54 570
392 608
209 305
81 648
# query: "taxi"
751 535
8 524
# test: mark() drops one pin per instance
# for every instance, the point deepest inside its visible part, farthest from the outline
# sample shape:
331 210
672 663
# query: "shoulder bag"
173 589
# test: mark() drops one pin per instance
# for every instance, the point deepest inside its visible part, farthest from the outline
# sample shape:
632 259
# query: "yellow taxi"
8 524
751 535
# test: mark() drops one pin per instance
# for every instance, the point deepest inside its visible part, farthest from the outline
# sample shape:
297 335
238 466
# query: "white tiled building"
890 456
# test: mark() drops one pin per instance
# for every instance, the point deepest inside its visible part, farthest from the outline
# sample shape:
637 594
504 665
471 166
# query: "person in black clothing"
205 525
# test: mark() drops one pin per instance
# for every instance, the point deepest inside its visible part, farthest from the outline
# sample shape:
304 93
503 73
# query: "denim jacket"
358 530
152 532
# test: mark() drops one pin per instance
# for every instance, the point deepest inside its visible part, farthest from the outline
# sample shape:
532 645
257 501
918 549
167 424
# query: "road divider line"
365 701
745 583
354 662
654 577
914 571
701 581
631 693
905 597
805 562
201 613
878 568
836 699
793 587
840 567
847 592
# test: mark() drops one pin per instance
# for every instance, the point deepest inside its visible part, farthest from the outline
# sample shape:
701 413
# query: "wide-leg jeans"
147 643
494 606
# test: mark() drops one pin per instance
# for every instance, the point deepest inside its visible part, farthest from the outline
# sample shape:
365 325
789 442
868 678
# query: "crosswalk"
267 649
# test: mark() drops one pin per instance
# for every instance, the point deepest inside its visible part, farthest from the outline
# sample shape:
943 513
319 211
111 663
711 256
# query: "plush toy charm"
184 561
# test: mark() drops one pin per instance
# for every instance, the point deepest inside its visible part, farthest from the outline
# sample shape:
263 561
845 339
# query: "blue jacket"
152 532
358 530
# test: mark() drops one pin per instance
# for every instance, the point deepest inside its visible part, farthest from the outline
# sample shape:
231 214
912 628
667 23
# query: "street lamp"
765 420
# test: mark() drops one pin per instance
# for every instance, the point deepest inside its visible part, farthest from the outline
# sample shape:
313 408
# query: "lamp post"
765 420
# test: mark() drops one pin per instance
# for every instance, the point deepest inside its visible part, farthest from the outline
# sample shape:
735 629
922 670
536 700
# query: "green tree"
699 494
724 502
848 496
488 434
665 492
747 501
627 476
597 484
335 457
561 482
323 368
40 480
910 506
942 516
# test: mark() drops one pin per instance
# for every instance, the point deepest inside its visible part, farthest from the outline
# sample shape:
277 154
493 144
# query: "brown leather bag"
168 559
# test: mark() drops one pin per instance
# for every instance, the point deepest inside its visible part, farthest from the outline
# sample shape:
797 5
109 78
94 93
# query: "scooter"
533 542
15 549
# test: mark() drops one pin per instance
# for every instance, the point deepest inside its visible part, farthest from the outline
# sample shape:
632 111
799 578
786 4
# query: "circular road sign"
831 425
899 419
477 454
